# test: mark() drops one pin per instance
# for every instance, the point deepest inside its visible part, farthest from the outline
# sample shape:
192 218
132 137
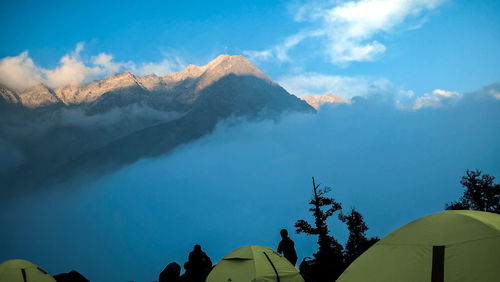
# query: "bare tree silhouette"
327 264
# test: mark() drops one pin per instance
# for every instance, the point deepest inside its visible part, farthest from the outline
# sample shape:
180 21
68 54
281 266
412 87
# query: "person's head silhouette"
284 233
197 247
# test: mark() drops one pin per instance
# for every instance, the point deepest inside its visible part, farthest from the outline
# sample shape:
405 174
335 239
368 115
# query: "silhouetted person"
171 273
197 267
287 247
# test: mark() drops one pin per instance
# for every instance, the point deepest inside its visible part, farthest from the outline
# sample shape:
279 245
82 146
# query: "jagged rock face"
91 92
8 96
38 96
317 101
153 82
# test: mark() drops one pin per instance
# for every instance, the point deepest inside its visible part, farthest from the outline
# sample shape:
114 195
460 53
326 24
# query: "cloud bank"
349 87
345 86
437 98
247 180
20 72
347 29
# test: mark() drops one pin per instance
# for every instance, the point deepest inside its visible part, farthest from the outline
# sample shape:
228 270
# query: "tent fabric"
250 264
471 241
18 270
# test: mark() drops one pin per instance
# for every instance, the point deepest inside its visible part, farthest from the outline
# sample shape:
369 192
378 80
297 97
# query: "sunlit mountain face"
127 137
117 120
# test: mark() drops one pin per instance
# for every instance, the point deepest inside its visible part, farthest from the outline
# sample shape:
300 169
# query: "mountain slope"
8 96
228 86
174 92
38 96
231 95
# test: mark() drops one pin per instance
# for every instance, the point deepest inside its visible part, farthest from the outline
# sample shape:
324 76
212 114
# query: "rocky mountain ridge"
99 127
125 87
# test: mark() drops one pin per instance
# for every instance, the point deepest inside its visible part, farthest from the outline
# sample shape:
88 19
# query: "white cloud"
71 70
20 72
169 64
348 28
352 25
347 87
280 51
254 56
437 98
105 62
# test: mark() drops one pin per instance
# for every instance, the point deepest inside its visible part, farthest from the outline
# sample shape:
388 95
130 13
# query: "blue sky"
393 165
419 46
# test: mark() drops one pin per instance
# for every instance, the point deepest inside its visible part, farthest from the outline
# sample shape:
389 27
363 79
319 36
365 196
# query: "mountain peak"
37 96
317 101
224 58
121 75
229 64
191 80
217 68
122 79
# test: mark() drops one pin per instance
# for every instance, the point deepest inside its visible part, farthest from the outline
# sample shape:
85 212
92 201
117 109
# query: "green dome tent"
19 270
254 264
446 246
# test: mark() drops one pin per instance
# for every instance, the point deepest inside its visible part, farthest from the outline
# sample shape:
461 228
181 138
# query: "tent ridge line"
447 245
489 225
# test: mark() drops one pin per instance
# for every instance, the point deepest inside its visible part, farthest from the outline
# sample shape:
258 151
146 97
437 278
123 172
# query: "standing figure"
287 247
197 267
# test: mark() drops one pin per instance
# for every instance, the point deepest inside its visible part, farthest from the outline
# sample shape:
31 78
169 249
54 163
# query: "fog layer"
244 182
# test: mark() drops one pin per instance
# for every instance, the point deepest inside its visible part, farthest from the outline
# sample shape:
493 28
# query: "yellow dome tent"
254 264
446 246
19 270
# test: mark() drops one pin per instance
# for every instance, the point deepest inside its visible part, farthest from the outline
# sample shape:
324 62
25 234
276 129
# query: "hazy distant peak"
317 101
